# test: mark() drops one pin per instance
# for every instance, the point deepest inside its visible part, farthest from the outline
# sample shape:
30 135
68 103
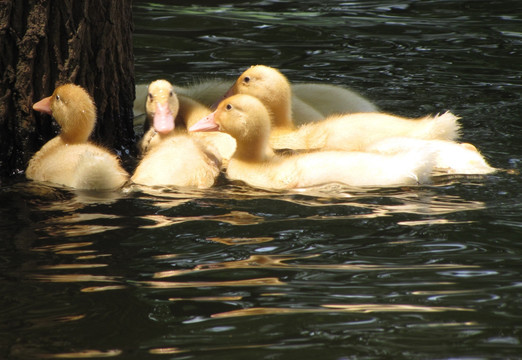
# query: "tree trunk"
44 44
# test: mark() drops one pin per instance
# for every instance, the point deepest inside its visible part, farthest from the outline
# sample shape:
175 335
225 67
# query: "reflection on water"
280 262
85 354
241 240
200 284
196 263
330 272
233 218
73 278
359 308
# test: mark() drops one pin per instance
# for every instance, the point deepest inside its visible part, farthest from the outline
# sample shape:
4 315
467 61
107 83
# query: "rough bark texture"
46 43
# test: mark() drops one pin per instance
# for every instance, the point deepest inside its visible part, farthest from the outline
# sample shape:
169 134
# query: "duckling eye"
151 97
246 79
57 97
228 107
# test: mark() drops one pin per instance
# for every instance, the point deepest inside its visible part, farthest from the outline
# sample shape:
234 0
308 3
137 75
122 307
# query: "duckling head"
271 87
162 106
243 117
73 109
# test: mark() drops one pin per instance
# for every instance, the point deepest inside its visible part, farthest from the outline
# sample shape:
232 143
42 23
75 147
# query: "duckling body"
247 120
178 160
337 132
356 132
170 156
450 157
318 168
326 100
69 159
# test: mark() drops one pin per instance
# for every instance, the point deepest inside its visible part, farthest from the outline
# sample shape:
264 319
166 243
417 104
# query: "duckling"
352 132
169 114
70 159
246 119
173 158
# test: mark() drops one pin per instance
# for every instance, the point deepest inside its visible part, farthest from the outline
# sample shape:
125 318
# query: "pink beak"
163 121
44 106
208 123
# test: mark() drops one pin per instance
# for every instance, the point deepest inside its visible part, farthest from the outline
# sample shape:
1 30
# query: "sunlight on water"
167 351
103 288
232 241
72 278
279 262
72 266
209 298
85 354
74 230
333 272
199 284
233 218
359 308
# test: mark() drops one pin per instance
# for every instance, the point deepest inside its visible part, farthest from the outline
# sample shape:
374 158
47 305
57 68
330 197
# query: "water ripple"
359 308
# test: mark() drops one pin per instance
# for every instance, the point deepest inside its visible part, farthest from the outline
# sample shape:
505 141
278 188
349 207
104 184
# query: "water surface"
427 272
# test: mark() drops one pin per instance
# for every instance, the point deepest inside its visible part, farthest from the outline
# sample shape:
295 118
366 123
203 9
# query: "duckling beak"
163 121
208 123
43 106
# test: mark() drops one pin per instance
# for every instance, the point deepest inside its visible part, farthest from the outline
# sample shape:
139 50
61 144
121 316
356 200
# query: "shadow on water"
331 272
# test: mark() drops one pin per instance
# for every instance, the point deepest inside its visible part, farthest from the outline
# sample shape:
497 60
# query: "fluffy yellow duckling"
169 114
246 119
69 159
339 132
173 158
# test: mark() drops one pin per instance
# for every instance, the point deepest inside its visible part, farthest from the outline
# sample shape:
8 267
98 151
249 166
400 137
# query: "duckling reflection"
233 218
72 225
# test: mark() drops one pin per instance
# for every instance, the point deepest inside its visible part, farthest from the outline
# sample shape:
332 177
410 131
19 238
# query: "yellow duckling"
69 159
163 105
173 158
340 132
246 119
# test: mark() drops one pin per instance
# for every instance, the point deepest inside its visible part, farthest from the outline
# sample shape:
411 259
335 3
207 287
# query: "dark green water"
429 272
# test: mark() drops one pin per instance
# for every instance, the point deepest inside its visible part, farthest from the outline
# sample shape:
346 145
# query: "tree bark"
44 44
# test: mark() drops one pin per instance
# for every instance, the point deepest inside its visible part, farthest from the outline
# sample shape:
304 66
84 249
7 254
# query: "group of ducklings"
259 129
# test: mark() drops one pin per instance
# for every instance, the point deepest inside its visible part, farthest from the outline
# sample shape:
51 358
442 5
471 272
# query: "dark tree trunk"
46 43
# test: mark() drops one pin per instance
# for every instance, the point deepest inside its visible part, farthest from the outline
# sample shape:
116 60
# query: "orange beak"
43 106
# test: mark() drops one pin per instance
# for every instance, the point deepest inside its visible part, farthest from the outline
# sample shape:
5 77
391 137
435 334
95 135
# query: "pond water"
422 272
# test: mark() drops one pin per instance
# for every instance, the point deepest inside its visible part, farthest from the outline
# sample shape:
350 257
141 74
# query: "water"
429 272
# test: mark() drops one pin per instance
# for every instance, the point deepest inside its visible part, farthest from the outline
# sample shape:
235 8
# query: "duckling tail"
443 127
99 171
